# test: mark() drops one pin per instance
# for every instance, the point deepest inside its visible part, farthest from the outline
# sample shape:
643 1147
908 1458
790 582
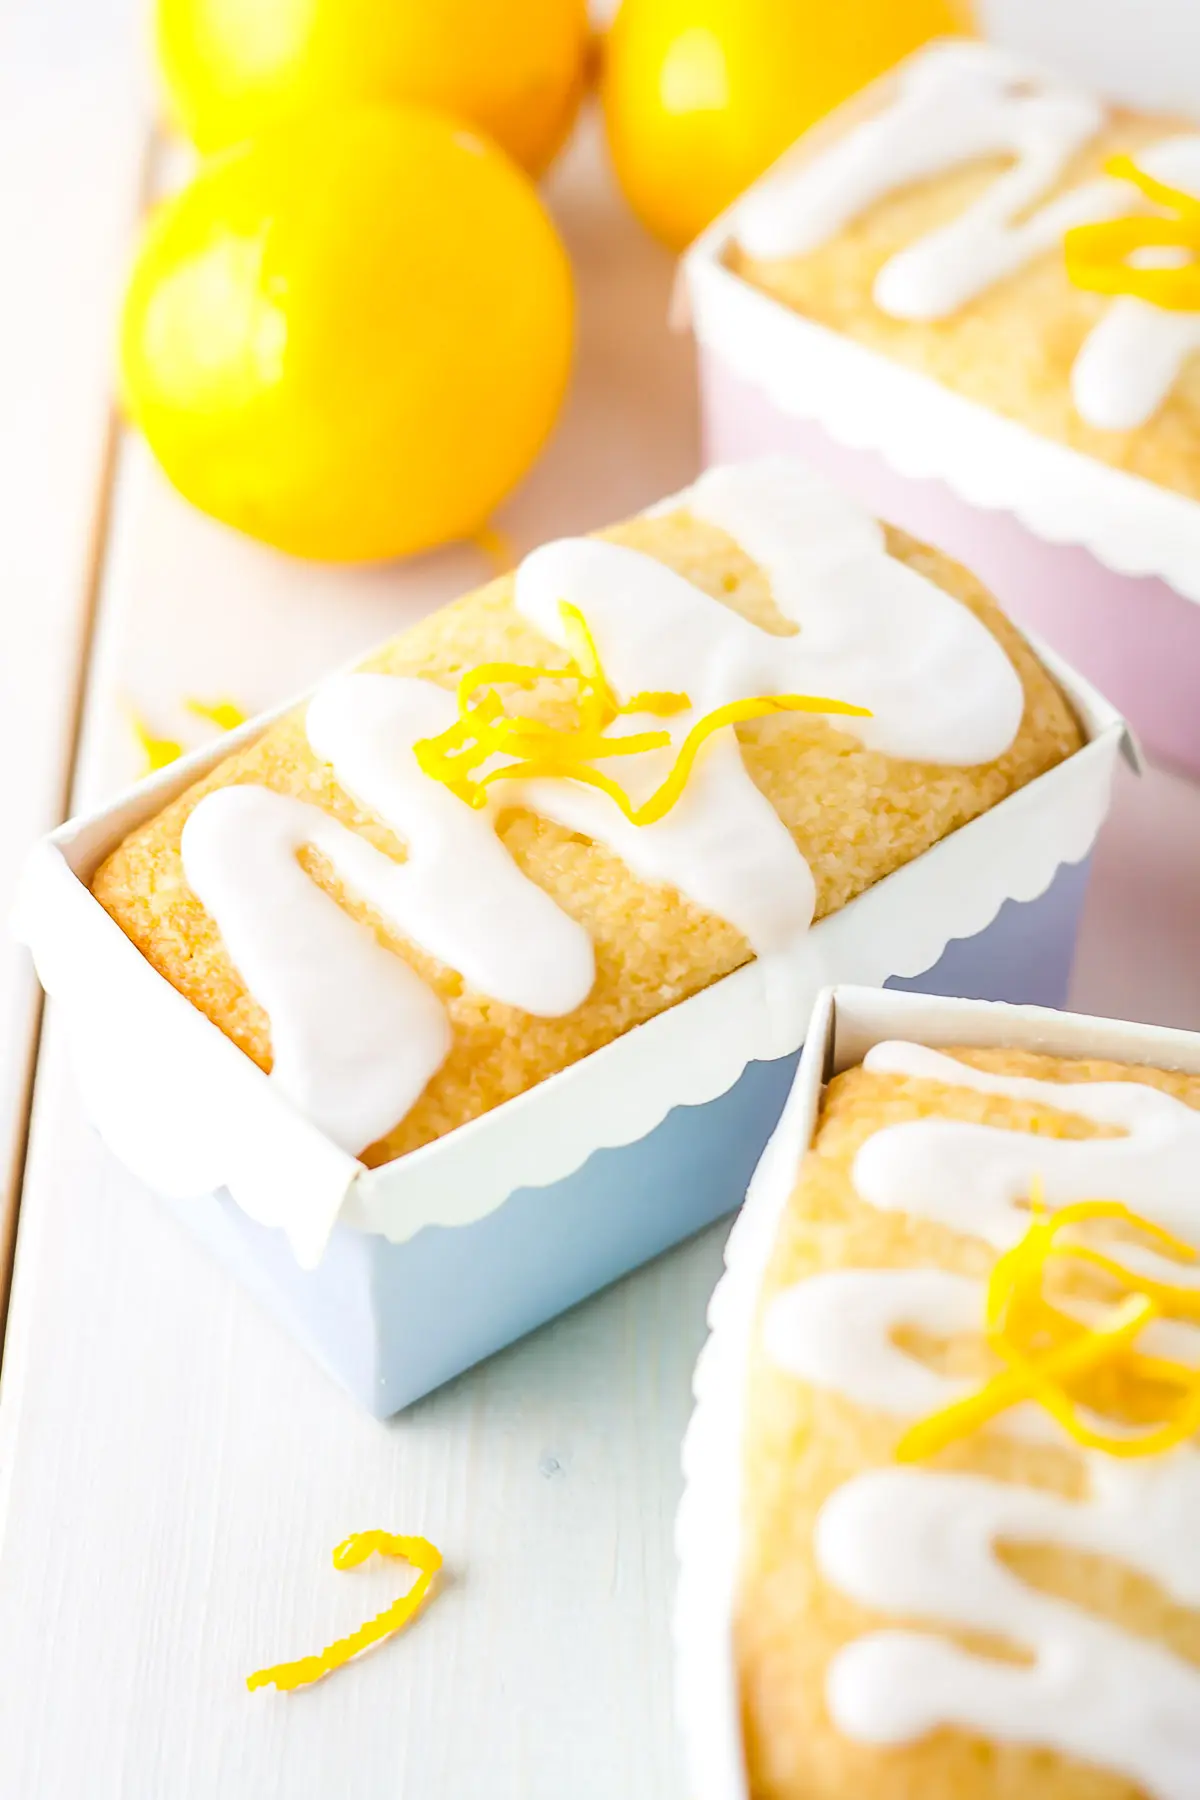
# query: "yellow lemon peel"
226 715
418 1551
1098 256
1046 1351
484 728
157 752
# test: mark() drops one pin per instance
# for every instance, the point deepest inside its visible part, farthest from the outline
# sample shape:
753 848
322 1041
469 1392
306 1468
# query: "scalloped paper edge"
182 1107
708 1520
866 401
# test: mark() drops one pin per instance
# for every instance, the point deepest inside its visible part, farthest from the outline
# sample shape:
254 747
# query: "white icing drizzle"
955 103
922 1544
309 965
459 895
873 632
1131 360
837 1330
356 1034
976 1178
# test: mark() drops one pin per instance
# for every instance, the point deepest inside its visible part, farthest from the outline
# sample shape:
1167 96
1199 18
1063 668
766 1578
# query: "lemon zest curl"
1098 255
353 1551
156 752
226 715
484 728
1046 1351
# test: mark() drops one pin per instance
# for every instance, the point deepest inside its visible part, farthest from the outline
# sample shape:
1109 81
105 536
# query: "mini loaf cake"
579 795
969 1562
1009 236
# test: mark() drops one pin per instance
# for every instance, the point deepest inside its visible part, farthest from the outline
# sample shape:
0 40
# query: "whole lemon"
700 96
350 337
515 68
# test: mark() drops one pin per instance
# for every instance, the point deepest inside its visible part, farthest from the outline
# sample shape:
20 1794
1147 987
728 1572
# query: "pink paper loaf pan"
1103 565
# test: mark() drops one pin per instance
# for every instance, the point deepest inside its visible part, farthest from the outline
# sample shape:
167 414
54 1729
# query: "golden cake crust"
801 1444
1012 347
854 813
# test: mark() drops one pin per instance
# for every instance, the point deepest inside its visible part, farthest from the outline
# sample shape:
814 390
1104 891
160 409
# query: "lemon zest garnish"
1018 1319
1098 254
226 715
418 1551
485 729
157 752
598 703
1021 1381
491 674
662 705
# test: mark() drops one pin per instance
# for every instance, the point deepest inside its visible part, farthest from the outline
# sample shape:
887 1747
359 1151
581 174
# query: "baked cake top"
1011 236
579 795
969 1560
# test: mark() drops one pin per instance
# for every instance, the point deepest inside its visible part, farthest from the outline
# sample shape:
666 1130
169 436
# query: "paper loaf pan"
397 1278
1102 564
846 1023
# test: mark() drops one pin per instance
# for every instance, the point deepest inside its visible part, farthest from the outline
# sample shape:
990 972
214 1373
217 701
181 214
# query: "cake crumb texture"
855 814
1012 348
801 1444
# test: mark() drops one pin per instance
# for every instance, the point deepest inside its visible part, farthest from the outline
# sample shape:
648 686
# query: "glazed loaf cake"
929 220
527 934
1003 1609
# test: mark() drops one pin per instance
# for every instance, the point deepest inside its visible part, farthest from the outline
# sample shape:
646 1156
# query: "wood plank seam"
92 583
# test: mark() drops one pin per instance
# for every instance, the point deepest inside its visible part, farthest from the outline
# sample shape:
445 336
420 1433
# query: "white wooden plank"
70 156
177 1472
183 1473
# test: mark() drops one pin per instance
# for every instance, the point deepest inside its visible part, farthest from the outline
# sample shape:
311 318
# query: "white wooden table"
173 1473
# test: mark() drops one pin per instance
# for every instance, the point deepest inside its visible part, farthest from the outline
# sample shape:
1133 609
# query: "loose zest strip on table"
349 1555
158 753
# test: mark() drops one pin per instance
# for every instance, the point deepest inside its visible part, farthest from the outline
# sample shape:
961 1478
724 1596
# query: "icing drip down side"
923 1544
873 633
955 104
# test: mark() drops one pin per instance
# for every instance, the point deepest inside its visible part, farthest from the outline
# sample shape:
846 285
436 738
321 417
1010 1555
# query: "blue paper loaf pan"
398 1278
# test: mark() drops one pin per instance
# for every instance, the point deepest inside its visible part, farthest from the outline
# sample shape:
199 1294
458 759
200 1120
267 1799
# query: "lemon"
514 68
350 337
701 95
